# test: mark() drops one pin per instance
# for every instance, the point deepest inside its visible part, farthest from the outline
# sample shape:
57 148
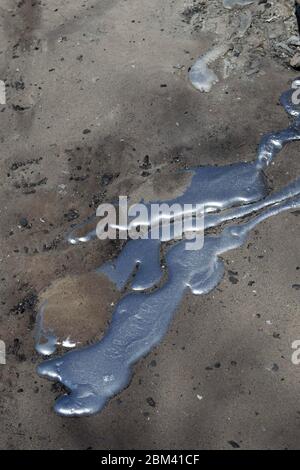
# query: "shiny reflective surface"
140 320
45 340
200 75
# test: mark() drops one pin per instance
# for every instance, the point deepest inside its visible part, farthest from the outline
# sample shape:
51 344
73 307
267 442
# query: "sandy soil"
94 90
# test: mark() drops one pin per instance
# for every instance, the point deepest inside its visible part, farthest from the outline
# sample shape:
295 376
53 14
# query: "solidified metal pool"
140 320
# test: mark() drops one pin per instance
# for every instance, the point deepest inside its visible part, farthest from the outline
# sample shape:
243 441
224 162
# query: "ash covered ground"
99 104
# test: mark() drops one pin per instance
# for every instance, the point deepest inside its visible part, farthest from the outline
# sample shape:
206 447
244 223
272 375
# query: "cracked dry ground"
94 90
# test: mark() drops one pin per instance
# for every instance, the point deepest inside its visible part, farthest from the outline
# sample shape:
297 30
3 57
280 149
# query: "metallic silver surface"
141 319
45 340
201 76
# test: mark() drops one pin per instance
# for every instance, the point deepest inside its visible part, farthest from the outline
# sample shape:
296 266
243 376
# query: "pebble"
295 61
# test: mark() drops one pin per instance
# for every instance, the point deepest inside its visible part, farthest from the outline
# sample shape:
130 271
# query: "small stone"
106 179
72 214
294 41
146 163
295 61
24 222
234 444
151 402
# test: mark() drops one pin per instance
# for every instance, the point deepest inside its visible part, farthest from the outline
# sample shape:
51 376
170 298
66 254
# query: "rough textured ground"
93 88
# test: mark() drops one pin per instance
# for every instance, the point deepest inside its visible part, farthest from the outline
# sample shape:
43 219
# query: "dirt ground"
96 88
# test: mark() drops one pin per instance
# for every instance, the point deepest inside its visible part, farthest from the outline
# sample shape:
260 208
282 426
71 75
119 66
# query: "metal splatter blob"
96 373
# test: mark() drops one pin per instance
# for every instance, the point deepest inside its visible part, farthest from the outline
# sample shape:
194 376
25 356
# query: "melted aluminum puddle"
96 373
46 339
200 75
